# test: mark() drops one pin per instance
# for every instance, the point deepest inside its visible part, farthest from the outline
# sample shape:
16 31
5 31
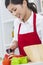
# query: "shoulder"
16 22
39 22
39 18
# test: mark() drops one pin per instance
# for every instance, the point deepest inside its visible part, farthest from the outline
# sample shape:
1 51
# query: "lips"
19 16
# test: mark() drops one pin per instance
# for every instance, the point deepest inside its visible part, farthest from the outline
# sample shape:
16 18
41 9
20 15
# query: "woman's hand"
12 47
9 50
11 55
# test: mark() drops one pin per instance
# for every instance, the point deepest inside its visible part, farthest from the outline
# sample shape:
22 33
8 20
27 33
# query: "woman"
30 28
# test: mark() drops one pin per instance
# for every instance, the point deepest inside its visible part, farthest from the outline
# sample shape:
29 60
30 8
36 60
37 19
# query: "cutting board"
34 52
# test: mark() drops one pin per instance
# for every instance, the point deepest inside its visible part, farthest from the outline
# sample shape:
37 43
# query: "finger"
11 56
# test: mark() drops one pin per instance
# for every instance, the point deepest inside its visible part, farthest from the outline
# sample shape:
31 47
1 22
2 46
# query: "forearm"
14 45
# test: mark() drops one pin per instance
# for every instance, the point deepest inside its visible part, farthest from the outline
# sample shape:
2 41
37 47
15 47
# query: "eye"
11 11
15 9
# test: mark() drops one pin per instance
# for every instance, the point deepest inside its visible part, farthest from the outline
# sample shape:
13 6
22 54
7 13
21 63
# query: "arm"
14 45
14 42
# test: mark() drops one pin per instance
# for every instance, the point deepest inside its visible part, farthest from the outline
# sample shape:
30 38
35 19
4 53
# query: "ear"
24 2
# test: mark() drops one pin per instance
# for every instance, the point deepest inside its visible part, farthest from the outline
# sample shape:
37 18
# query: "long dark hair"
31 6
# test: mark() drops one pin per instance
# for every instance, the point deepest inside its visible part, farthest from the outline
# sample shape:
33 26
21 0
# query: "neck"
27 15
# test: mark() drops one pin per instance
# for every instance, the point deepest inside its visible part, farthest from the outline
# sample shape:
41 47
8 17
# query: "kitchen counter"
37 63
0 62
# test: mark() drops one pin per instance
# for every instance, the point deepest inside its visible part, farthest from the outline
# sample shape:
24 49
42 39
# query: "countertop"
35 63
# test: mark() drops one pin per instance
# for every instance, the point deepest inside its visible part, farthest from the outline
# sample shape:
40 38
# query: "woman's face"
18 10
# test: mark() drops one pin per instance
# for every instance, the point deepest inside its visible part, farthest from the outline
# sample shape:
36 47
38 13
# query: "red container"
6 60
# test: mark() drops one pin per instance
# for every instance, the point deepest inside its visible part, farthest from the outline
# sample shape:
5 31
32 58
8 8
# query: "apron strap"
19 28
34 21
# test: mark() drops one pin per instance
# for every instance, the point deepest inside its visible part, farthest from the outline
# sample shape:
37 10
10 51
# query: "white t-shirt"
27 27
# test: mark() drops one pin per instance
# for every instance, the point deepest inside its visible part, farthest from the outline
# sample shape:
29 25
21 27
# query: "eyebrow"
11 9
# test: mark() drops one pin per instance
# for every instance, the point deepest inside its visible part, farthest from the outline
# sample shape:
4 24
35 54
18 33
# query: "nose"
14 13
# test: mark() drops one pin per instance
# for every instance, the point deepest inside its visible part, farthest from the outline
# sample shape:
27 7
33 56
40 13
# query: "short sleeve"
40 27
16 26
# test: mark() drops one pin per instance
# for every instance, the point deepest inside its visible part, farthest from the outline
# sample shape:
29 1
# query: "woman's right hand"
12 48
10 53
9 50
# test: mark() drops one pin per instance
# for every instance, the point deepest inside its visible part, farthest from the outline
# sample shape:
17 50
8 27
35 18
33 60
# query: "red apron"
27 39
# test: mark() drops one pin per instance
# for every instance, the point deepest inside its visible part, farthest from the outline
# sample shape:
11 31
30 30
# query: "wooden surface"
34 52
